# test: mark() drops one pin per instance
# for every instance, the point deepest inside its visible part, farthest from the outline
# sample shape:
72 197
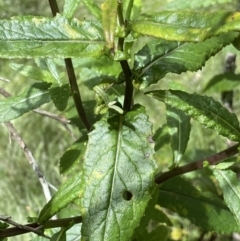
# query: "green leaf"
222 82
59 37
70 6
131 9
230 186
93 8
210 213
224 165
186 26
204 109
67 193
153 219
59 236
33 72
3 225
74 232
51 66
32 219
72 115
118 176
73 155
109 21
161 231
103 66
236 43
60 95
161 137
179 129
3 239
39 238
183 4
33 97
160 57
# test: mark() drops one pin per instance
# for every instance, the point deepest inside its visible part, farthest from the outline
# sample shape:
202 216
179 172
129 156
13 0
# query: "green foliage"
73 155
33 72
30 99
160 57
60 95
183 4
66 194
179 129
3 225
186 26
154 223
70 7
202 108
207 211
118 180
230 186
109 21
222 82
46 37
121 143
94 8
131 9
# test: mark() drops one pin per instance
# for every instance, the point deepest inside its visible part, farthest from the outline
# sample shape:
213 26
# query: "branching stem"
13 133
193 166
35 227
72 78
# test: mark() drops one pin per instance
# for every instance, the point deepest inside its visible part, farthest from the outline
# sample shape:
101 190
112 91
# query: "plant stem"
129 10
125 66
193 166
76 93
9 232
120 13
54 7
72 78
13 133
129 87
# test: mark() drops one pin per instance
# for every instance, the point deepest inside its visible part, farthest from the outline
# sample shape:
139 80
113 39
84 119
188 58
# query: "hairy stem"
72 78
193 166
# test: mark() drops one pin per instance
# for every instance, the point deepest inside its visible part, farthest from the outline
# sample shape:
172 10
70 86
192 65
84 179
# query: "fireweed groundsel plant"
122 191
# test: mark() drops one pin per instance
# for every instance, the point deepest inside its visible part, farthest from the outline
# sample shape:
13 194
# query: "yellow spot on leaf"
98 175
38 21
73 34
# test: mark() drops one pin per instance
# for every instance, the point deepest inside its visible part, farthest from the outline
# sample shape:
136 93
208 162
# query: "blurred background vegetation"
20 191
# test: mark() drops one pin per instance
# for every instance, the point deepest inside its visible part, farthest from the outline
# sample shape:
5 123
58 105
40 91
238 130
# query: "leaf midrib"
149 65
207 201
118 145
222 174
52 40
197 107
14 104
